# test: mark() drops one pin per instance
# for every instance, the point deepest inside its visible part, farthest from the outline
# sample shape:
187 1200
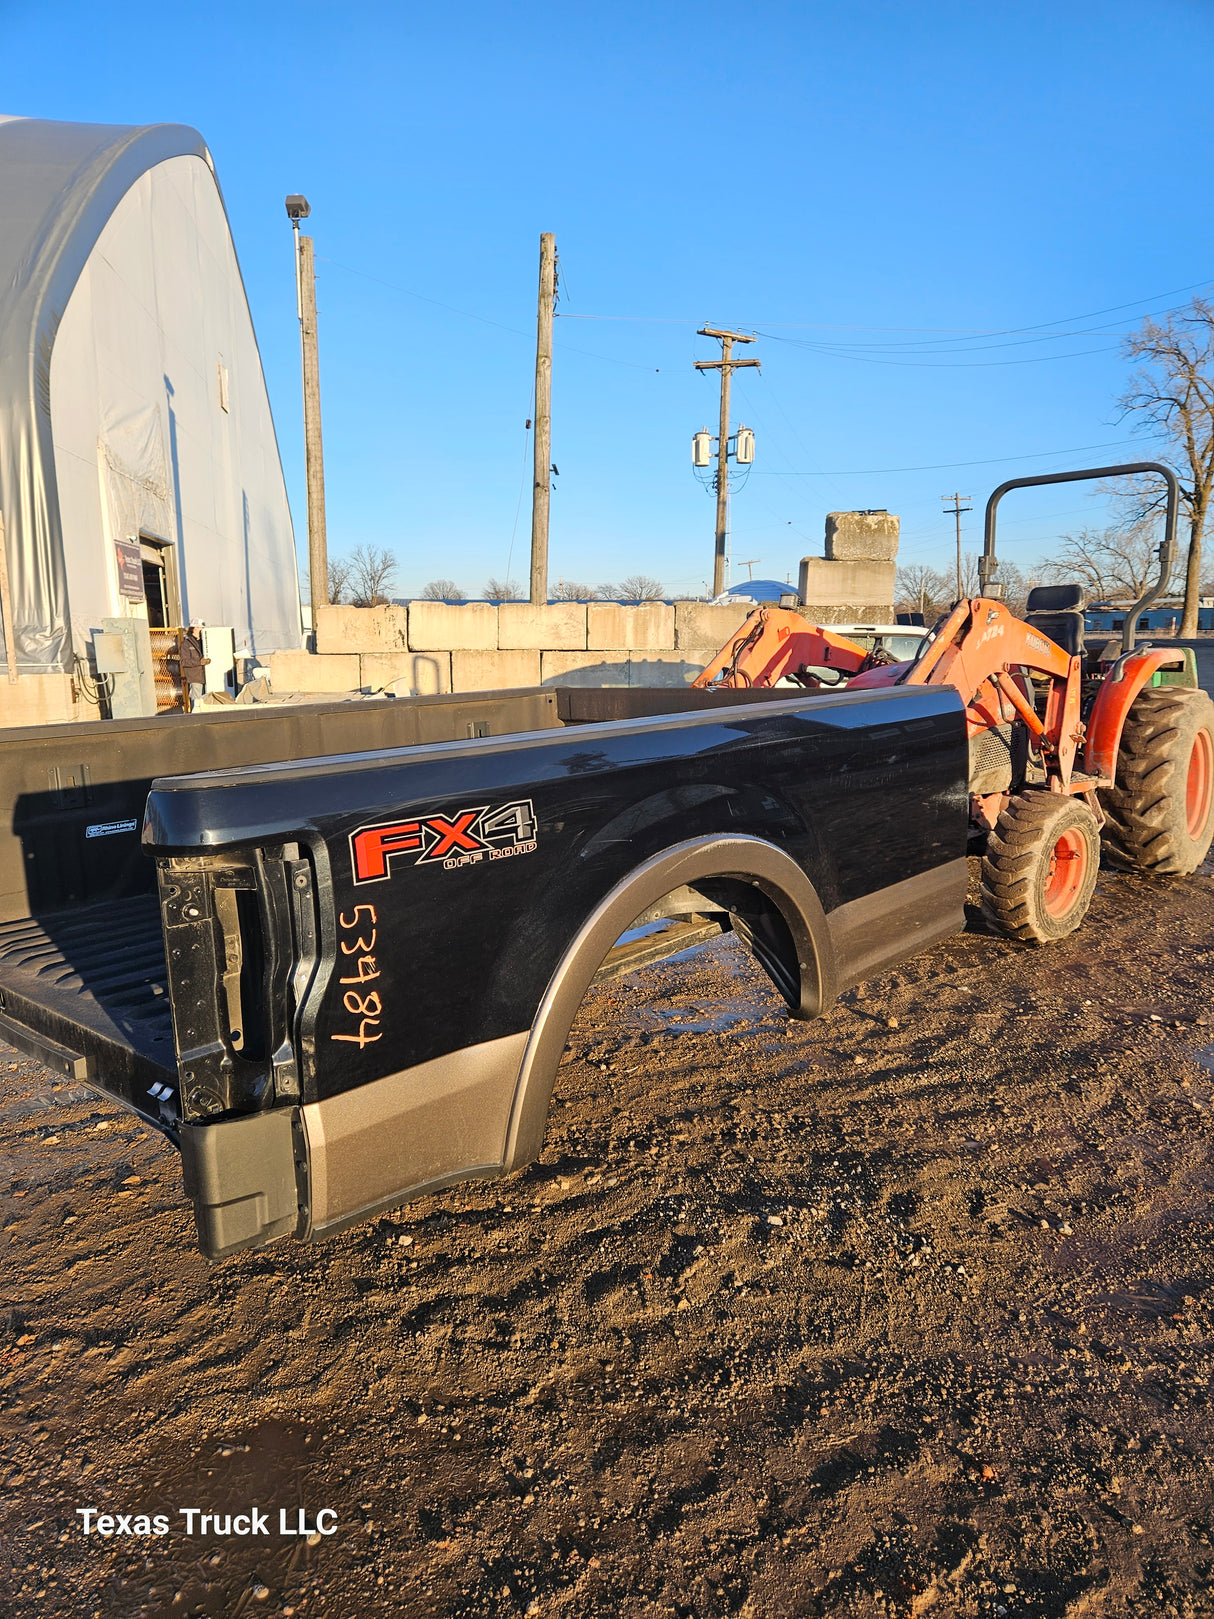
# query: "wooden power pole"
305 298
957 508
726 365
542 484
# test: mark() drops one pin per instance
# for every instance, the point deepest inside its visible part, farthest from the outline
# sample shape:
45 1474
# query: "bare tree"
932 592
340 570
442 590
971 584
1173 391
567 590
1016 586
639 587
372 570
607 593
502 590
1114 564
923 590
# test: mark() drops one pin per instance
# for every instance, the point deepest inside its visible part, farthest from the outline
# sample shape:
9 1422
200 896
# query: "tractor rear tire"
1160 813
1040 867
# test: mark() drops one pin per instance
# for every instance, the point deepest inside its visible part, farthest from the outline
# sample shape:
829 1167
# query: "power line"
946 466
935 365
957 331
484 320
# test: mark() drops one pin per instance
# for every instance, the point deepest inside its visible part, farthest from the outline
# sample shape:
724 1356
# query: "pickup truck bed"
87 992
372 957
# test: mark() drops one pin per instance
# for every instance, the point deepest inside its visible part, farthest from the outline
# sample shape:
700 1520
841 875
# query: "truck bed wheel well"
760 925
772 906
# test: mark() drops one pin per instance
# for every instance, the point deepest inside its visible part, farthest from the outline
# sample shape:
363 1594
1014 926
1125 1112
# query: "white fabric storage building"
139 470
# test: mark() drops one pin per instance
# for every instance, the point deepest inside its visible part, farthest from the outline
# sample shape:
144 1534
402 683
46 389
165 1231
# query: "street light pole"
305 303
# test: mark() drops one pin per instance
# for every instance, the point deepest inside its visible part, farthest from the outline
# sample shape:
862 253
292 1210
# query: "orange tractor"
1067 744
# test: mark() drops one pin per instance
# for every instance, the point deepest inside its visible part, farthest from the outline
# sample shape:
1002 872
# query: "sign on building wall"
130 570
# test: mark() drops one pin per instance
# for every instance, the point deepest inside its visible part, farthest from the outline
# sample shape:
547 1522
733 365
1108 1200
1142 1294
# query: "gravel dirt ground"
904 1311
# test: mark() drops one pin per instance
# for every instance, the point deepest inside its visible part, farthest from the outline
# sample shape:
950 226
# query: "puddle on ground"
680 1020
753 1010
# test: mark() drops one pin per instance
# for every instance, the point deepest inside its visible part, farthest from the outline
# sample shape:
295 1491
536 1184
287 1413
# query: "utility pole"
542 485
305 304
750 565
957 508
726 365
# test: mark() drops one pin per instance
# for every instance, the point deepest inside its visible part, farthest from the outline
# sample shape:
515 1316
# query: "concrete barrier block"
560 626
848 612
494 671
666 668
822 580
618 666
361 629
603 668
703 625
314 671
441 627
413 674
861 536
611 625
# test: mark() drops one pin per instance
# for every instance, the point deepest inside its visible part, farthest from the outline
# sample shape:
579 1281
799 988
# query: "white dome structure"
139 468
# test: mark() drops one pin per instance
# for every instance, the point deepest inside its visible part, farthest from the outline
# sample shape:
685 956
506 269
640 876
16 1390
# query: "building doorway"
159 582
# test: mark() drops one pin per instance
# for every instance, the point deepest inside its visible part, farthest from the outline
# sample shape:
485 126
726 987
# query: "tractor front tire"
1160 813
1040 867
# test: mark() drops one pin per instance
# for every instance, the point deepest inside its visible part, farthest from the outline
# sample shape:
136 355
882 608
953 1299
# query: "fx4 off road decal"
460 839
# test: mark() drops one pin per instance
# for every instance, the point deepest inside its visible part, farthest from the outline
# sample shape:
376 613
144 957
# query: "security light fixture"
297 209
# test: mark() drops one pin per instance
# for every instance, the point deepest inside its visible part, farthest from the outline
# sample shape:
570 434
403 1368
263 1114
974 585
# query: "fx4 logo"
462 839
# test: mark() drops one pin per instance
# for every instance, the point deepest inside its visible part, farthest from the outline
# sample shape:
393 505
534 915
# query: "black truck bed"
87 990
83 984
375 922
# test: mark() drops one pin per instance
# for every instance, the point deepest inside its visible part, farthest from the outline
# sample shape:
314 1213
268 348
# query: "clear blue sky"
889 193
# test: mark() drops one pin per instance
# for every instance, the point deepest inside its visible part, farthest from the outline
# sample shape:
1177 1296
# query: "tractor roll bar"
988 565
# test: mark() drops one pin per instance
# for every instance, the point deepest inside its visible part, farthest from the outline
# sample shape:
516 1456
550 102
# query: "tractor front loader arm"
977 650
775 642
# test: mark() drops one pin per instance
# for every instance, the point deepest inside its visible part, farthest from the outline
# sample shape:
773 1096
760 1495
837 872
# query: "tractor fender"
1113 703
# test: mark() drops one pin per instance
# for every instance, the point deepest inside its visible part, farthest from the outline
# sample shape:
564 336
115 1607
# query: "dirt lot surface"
904 1311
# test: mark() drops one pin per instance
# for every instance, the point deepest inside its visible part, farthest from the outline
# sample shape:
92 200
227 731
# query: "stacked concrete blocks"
342 629
706 626
315 672
560 626
444 627
861 537
855 581
608 625
431 647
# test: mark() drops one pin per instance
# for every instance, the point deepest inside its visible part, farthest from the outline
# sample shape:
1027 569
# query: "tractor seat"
1057 612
